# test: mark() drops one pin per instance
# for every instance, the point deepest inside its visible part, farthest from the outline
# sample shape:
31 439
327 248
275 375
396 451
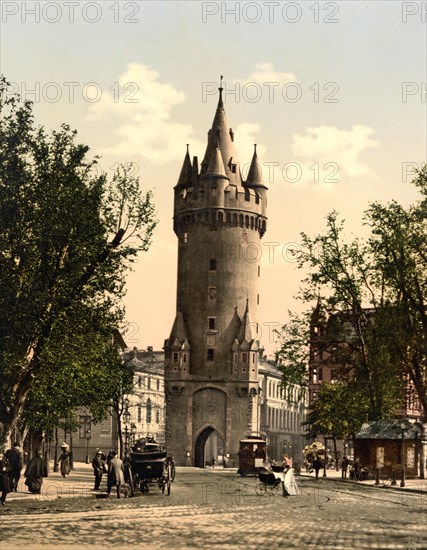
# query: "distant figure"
344 467
317 464
357 469
15 458
213 462
64 460
35 472
224 462
115 473
98 466
4 478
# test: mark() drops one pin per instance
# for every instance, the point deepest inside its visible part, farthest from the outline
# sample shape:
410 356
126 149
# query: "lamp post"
88 436
126 418
402 427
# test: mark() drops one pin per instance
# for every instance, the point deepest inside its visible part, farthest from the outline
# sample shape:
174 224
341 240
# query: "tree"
68 236
399 245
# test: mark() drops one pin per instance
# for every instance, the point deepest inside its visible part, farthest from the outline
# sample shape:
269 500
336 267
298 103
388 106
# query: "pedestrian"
64 460
357 469
98 466
224 462
317 464
213 462
35 472
15 458
344 467
115 473
5 469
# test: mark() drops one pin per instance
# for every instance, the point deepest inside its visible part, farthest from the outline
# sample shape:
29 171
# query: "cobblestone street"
216 508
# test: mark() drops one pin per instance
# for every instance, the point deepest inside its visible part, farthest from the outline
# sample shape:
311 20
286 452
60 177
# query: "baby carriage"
269 481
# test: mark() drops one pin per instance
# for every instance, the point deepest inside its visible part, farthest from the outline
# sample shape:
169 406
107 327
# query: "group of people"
12 462
111 465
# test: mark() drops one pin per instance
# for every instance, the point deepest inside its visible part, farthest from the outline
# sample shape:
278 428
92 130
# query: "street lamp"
402 427
88 436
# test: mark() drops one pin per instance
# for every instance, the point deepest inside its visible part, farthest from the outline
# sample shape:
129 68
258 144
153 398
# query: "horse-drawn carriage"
150 464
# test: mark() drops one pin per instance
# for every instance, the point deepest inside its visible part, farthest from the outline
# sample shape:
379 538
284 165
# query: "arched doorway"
209 444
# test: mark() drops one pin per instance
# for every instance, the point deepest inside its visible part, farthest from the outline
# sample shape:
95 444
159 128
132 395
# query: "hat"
64 445
99 452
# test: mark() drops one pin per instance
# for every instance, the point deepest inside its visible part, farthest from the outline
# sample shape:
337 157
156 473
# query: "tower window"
175 357
257 299
247 195
185 238
212 293
212 323
184 359
212 264
210 355
259 270
244 359
210 339
148 409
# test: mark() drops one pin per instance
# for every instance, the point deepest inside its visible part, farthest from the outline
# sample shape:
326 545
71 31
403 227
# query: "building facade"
211 355
145 412
282 413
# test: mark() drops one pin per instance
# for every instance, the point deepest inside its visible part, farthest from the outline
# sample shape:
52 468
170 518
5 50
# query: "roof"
387 429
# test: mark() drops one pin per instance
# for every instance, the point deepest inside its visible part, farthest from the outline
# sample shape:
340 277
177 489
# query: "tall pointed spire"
219 136
185 176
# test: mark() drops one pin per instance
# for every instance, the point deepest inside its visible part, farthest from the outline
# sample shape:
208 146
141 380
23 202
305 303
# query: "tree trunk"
336 453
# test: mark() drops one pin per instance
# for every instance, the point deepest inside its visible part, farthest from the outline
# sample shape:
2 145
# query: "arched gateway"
211 355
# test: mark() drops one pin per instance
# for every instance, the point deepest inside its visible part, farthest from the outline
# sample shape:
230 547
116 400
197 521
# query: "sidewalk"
411 485
78 484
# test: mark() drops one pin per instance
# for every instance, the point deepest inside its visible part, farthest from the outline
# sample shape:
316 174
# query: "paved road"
214 508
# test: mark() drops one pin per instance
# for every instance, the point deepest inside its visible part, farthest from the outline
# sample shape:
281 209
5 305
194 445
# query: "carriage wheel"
261 489
167 480
273 489
172 471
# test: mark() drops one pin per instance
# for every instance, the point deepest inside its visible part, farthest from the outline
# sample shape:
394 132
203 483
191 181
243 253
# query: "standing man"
357 469
98 466
15 458
4 478
344 467
115 473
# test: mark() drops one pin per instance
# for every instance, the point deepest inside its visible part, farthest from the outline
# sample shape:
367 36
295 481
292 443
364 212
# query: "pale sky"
334 93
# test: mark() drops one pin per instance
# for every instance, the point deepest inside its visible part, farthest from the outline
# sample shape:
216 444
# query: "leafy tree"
68 236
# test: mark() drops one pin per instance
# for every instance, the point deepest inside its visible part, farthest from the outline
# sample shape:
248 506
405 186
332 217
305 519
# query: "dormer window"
212 264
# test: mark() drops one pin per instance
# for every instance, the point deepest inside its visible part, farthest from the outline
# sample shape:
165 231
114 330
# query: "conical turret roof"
216 164
185 177
245 332
179 330
254 178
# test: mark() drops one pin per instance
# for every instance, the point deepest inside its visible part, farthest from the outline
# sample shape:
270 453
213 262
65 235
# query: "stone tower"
211 355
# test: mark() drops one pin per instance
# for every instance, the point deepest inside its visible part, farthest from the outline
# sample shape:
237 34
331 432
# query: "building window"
257 299
139 413
175 357
211 323
244 359
259 270
158 416
320 375
212 264
212 293
149 383
139 381
148 409
158 380
210 355
185 238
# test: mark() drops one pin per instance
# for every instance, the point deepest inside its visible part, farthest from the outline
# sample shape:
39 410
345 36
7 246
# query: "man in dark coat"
98 469
344 467
16 460
317 464
4 478
35 472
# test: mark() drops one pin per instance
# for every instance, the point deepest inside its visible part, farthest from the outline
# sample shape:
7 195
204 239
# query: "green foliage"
68 238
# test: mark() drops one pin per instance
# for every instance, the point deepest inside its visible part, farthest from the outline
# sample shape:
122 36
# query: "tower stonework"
211 355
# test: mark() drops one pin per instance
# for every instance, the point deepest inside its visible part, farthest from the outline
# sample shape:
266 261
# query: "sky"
333 93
